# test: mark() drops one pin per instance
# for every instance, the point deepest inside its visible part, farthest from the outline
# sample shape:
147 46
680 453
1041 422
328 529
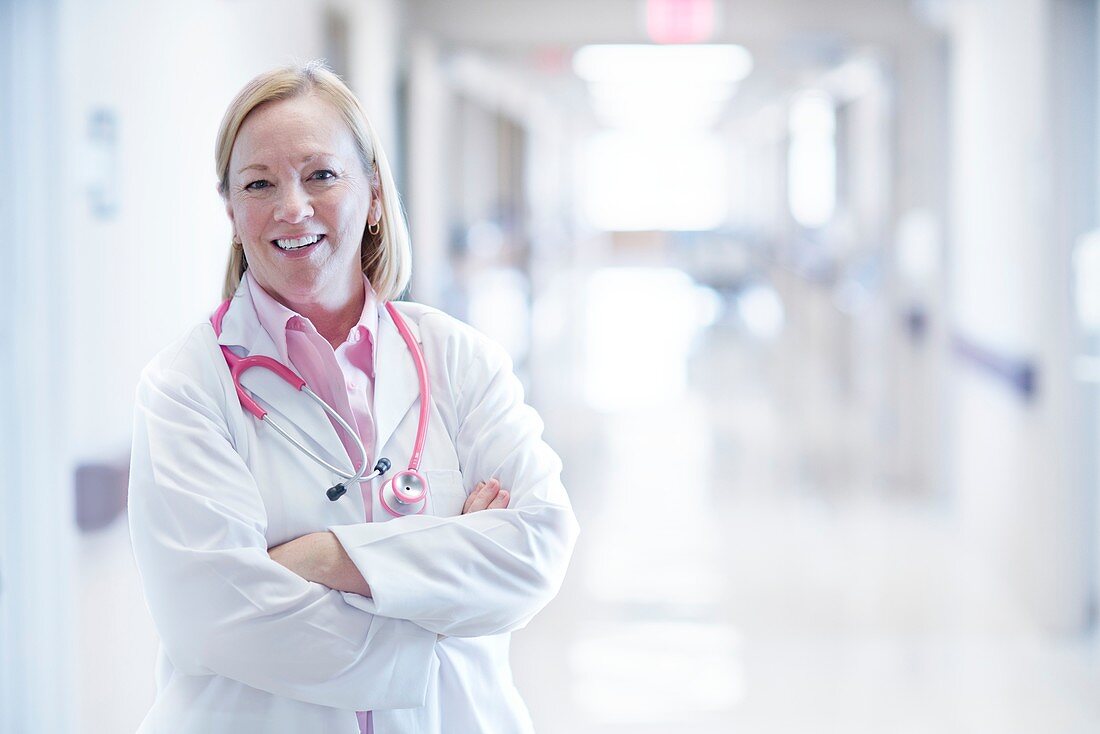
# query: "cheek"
250 218
345 206
353 216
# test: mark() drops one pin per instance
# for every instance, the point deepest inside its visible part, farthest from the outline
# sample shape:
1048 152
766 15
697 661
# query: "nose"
293 205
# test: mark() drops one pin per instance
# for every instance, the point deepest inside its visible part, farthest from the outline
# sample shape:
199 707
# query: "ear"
229 213
374 214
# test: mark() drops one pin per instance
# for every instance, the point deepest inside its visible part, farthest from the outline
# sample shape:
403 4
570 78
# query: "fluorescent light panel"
663 65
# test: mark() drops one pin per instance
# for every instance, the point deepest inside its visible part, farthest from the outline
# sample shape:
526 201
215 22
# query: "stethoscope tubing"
425 388
358 475
238 365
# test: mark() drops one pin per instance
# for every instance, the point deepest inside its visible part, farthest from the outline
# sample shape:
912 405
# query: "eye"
325 175
257 185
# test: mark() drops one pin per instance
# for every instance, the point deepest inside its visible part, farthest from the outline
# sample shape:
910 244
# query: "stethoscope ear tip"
335 493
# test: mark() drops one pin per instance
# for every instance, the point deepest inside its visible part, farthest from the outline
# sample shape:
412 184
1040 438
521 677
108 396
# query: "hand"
320 558
486 496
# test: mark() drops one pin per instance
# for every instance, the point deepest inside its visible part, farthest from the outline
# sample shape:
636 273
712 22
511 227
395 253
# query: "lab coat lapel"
241 329
396 384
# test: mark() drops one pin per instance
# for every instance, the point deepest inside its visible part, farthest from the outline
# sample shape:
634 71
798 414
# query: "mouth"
301 243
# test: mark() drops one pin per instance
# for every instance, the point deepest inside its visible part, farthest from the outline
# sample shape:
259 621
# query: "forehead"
292 129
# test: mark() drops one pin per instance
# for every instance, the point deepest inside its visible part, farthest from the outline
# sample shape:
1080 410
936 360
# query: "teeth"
295 244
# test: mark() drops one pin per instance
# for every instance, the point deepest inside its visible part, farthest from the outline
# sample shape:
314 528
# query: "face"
299 200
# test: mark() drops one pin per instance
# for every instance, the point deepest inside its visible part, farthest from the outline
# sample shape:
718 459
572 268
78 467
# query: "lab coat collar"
396 384
243 332
241 326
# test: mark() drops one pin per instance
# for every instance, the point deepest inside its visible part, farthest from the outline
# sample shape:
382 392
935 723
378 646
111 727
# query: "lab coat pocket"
446 495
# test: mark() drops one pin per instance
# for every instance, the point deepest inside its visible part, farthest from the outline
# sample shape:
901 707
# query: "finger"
476 501
500 501
485 496
488 494
471 497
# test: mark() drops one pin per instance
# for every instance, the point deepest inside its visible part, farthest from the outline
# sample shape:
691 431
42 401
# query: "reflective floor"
741 567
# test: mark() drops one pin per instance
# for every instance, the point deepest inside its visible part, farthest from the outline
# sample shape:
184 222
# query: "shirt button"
351 385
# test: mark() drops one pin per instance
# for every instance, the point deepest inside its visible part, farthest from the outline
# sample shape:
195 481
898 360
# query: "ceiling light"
675 64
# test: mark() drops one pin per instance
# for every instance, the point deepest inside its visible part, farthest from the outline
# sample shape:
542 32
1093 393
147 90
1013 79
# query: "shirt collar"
276 318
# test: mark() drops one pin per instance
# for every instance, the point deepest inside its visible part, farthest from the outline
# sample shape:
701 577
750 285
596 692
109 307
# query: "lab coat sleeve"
490 571
219 603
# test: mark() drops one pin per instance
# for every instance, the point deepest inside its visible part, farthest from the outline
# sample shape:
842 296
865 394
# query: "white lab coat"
248 646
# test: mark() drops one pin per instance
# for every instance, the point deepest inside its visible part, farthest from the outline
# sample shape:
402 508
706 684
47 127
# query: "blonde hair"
386 256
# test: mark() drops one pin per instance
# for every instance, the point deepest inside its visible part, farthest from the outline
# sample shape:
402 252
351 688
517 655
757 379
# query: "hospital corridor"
806 295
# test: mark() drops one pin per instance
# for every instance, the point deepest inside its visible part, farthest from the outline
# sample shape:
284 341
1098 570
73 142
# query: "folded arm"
485 572
320 558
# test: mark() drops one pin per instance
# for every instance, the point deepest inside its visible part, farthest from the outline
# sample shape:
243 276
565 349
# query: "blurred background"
806 291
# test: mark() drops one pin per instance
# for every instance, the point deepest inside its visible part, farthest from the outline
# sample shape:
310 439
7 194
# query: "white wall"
36 682
373 63
1014 463
429 103
917 261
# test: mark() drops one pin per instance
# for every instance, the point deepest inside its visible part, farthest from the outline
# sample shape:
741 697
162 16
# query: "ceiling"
792 41
533 24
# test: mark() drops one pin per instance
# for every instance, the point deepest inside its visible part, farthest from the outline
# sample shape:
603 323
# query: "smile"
298 244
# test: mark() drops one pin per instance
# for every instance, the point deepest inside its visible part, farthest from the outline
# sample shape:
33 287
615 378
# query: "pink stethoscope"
407 492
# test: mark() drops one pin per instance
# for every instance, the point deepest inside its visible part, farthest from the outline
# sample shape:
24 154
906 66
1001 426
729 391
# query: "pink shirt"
343 378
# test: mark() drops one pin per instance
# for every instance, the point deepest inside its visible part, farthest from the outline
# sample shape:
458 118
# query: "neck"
332 317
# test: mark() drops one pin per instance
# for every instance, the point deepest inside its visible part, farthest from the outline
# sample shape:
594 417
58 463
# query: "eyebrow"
306 159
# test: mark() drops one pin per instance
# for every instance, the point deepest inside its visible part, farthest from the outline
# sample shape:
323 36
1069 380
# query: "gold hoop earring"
374 229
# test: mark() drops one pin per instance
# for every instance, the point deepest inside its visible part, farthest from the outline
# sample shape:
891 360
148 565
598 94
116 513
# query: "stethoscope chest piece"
405 494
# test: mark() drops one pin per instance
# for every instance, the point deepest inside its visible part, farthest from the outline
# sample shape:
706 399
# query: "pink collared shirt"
343 378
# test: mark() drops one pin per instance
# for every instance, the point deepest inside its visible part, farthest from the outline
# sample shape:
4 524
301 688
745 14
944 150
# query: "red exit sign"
679 21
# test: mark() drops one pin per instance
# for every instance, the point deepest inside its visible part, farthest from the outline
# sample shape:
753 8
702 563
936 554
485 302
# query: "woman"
278 609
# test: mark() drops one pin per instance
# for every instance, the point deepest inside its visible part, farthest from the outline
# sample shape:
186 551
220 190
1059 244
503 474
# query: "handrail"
1020 374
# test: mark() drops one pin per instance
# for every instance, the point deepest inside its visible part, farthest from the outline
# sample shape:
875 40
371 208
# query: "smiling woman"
278 609
334 144
299 197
